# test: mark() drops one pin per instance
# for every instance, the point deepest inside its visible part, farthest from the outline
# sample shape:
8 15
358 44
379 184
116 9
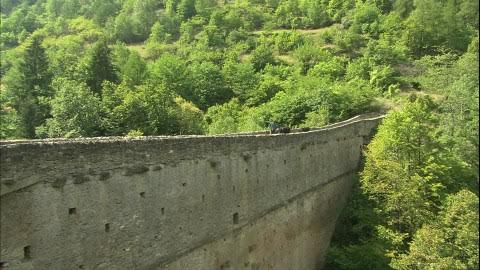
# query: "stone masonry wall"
245 201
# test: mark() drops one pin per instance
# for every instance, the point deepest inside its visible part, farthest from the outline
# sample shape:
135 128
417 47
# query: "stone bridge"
242 201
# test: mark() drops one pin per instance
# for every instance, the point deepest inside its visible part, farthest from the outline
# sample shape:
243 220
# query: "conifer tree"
134 70
28 85
186 9
100 67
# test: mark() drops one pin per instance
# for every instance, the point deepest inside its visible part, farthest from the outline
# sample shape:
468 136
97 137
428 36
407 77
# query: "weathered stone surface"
245 201
104 176
59 182
135 169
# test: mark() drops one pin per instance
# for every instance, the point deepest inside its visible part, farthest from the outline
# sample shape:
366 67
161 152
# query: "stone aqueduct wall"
245 201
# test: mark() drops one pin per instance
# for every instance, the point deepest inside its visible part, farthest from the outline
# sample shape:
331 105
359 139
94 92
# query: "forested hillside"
112 67
82 68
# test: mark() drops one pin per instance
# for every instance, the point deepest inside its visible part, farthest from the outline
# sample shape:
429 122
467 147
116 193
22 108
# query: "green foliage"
265 90
66 8
290 107
333 68
239 37
209 86
186 9
461 110
411 181
205 7
382 77
469 12
124 28
171 71
366 255
119 55
309 55
8 5
436 71
385 51
451 242
356 97
204 54
318 118
348 41
135 20
101 10
158 34
212 36
403 7
432 25
18 25
232 117
261 57
337 9
190 118
75 112
402 173
149 109
28 88
456 79
240 77
8 118
113 97
190 28
416 37
316 15
134 70
288 41
355 244
359 68
134 133
222 119
100 67
365 19
288 13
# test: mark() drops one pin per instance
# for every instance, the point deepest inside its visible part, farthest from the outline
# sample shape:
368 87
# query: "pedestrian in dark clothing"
273 127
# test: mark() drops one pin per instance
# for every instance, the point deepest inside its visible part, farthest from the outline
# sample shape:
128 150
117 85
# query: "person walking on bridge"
273 127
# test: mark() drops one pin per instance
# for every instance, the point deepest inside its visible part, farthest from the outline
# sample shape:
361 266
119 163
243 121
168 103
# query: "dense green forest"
82 68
